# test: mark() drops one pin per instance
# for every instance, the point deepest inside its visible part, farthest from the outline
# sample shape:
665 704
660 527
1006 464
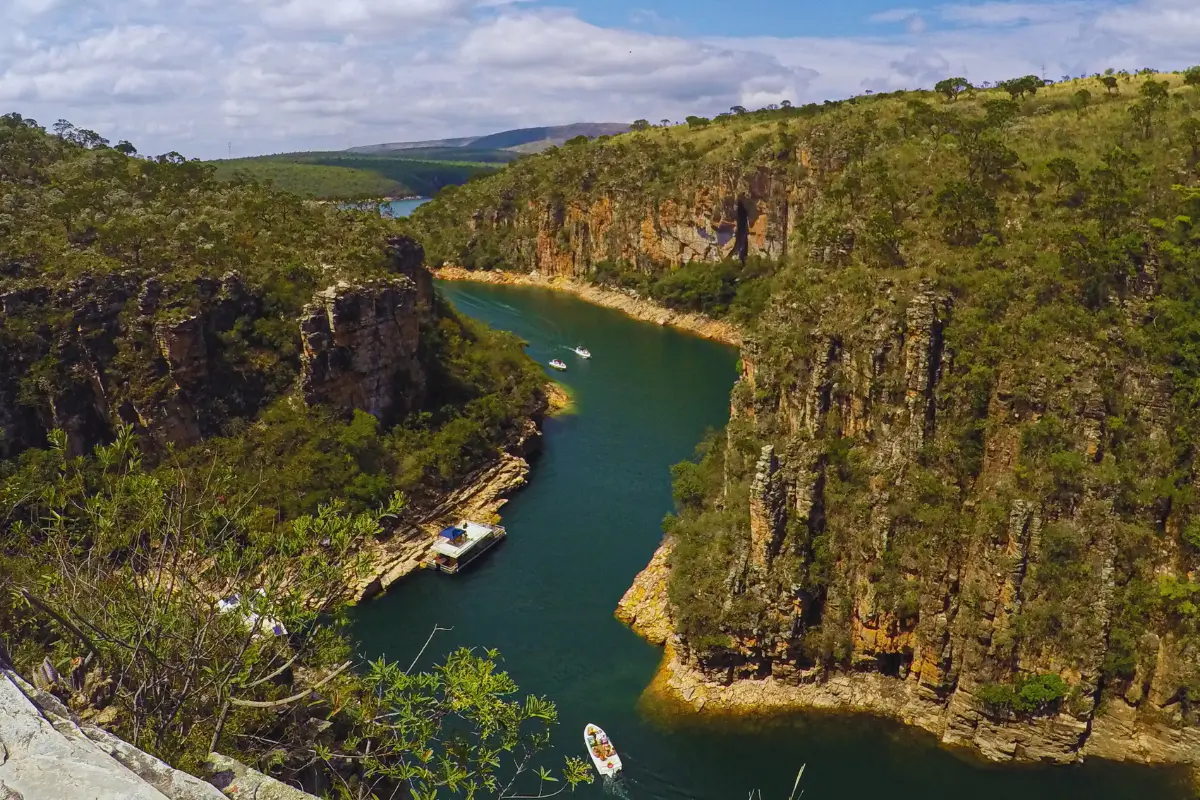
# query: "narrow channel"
588 522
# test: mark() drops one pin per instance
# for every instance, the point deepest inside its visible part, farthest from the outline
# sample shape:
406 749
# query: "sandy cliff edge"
629 304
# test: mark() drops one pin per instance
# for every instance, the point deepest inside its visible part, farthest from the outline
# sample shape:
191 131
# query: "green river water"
588 522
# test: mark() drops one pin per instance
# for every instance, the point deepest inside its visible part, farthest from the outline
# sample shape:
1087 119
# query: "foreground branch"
298 696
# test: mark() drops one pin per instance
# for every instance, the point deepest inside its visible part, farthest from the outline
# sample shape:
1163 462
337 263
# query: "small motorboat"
558 364
603 754
582 352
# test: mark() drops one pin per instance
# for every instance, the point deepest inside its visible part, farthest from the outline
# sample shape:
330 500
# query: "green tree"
1064 171
989 161
1110 83
126 568
1191 135
1155 95
1019 87
697 122
1081 100
965 210
454 732
640 125
1191 77
952 87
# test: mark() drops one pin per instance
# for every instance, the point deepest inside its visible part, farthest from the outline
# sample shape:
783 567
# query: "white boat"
461 544
557 364
603 754
269 624
582 352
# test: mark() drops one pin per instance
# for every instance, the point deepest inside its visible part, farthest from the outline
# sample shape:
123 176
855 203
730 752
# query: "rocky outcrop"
179 361
645 606
239 782
360 348
118 349
408 548
767 514
48 754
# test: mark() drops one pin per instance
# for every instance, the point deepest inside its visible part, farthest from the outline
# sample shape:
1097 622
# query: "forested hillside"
351 176
218 400
963 453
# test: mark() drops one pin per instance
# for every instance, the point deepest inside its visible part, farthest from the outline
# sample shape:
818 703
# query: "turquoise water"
588 522
402 208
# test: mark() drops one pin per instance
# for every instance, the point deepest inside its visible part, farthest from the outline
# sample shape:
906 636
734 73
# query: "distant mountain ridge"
522 140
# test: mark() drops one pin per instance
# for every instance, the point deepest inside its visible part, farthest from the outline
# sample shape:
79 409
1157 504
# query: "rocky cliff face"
865 578
961 465
731 212
179 361
360 348
734 216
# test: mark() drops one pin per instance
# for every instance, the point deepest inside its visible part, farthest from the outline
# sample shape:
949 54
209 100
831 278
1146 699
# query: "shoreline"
631 305
678 689
481 497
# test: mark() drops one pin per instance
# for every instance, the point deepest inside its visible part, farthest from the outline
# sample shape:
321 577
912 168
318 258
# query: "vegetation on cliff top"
113 563
1046 240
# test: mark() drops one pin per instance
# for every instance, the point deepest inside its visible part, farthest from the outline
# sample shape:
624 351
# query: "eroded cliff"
180 361
959 481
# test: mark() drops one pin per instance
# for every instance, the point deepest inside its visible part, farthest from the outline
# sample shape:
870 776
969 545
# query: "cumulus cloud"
135 65
273 75
369 16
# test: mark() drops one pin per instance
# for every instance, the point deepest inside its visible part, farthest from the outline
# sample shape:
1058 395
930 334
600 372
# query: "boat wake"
614 785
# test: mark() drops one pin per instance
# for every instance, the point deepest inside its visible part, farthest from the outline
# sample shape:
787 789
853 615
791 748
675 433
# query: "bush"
1033 695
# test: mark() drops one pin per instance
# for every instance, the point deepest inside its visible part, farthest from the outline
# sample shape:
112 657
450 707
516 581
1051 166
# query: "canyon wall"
931 595
180 361
959 484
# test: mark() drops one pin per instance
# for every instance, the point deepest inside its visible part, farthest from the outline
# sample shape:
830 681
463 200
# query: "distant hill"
405 168
350 176
521 140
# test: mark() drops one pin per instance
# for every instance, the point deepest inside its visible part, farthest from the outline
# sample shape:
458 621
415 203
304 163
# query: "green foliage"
415 742
1031 695
952 88
126 567
312 180
1019 87
1191 77
481 387
966 211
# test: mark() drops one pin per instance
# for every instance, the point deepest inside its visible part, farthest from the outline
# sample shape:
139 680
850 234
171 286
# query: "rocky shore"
625 302
1117 732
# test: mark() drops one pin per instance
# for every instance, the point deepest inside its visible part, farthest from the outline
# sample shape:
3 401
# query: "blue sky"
206 77
745 17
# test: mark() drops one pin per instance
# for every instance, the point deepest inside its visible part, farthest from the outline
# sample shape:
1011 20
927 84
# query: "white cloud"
369 16
273 75
134 65
894 15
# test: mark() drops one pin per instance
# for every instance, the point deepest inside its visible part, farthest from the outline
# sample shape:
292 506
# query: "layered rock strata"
921 617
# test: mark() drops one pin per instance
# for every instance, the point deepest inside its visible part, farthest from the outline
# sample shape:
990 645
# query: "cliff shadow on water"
588 521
